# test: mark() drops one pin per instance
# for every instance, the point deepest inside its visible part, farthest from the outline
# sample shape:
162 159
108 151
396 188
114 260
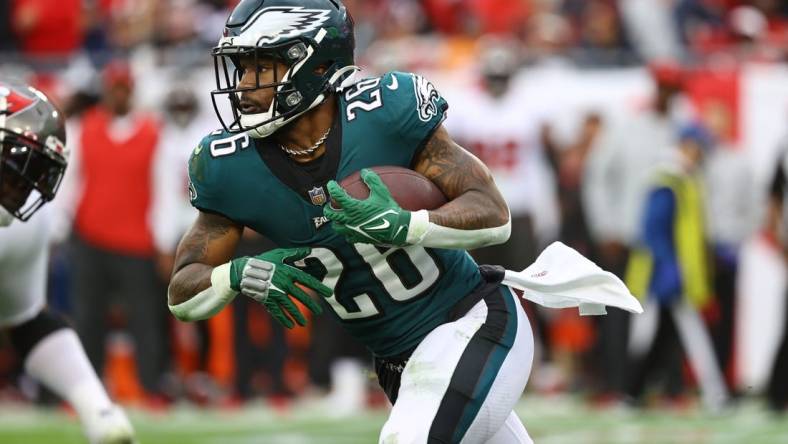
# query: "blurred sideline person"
497 124
571 335
672 270
204 357
33 158
732 218
172 214
615 185
108 196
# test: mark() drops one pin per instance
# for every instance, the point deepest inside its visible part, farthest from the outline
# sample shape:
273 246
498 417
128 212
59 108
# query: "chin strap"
351 79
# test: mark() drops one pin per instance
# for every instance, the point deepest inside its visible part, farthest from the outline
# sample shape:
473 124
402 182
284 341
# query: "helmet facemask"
30 173
288 100
312 39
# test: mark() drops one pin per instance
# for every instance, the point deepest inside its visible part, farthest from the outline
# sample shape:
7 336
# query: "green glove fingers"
377 220
293 311
376 186
305 299
338 194
280 255
336 216
276 312
313 283
270 279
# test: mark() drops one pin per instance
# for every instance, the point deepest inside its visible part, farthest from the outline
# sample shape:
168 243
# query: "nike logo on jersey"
394 83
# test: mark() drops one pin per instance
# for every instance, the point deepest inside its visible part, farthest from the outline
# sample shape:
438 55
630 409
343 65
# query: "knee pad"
25 336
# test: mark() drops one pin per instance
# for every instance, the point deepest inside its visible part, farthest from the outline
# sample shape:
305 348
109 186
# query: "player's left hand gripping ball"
376 220
267 279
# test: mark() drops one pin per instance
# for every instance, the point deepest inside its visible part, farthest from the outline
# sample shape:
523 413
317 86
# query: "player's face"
258 74
693 153
117 97
14 190
497 85
25 168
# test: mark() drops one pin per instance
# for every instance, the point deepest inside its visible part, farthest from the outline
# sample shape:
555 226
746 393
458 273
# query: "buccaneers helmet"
33 152
303 35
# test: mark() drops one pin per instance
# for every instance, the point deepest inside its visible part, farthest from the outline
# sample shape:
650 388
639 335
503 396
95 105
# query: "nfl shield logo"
317 195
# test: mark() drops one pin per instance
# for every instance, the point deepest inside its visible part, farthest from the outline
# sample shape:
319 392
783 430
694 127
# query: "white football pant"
463 380
23 261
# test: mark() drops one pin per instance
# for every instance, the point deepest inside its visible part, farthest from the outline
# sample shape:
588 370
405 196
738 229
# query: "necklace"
309 150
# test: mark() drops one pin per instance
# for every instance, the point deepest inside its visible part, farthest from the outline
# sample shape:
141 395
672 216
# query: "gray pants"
101 279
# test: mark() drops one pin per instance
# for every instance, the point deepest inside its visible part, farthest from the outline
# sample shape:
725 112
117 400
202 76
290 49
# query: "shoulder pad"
405 106
205 167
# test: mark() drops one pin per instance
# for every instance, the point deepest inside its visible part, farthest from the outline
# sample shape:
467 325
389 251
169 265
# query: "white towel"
563 278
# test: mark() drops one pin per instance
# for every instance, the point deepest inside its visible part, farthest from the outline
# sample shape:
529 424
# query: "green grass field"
549 420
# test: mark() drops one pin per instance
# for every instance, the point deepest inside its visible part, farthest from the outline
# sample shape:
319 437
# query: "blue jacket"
665 285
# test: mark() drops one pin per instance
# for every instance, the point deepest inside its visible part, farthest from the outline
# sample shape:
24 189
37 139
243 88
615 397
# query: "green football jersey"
387 298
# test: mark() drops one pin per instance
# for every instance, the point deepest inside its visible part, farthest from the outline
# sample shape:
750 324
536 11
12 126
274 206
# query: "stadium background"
240 378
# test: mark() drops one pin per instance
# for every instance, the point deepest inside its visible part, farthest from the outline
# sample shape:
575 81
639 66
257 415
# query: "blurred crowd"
576 107
596 31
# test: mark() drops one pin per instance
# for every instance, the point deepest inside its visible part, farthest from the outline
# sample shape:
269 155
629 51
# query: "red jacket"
112 212
56 28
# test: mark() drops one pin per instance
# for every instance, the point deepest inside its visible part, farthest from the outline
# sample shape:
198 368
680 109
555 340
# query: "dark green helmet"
303 35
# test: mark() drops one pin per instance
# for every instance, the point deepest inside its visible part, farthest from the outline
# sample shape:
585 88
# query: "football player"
452 346
33 158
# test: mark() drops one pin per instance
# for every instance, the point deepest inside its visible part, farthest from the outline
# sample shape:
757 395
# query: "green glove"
376 220
267 279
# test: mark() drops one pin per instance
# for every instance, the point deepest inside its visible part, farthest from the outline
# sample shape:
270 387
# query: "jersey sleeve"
415 108
204 178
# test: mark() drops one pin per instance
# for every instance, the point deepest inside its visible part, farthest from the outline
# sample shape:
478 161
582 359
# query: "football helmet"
33 154
301 34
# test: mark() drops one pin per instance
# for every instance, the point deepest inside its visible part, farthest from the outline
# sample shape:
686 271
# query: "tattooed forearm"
209 242
187 282
194 246
474 200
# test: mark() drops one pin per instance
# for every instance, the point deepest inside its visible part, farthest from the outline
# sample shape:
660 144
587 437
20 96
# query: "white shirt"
731 204
619 171
172 213
505 134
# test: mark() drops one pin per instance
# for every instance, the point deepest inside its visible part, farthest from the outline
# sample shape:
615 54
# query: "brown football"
411 190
